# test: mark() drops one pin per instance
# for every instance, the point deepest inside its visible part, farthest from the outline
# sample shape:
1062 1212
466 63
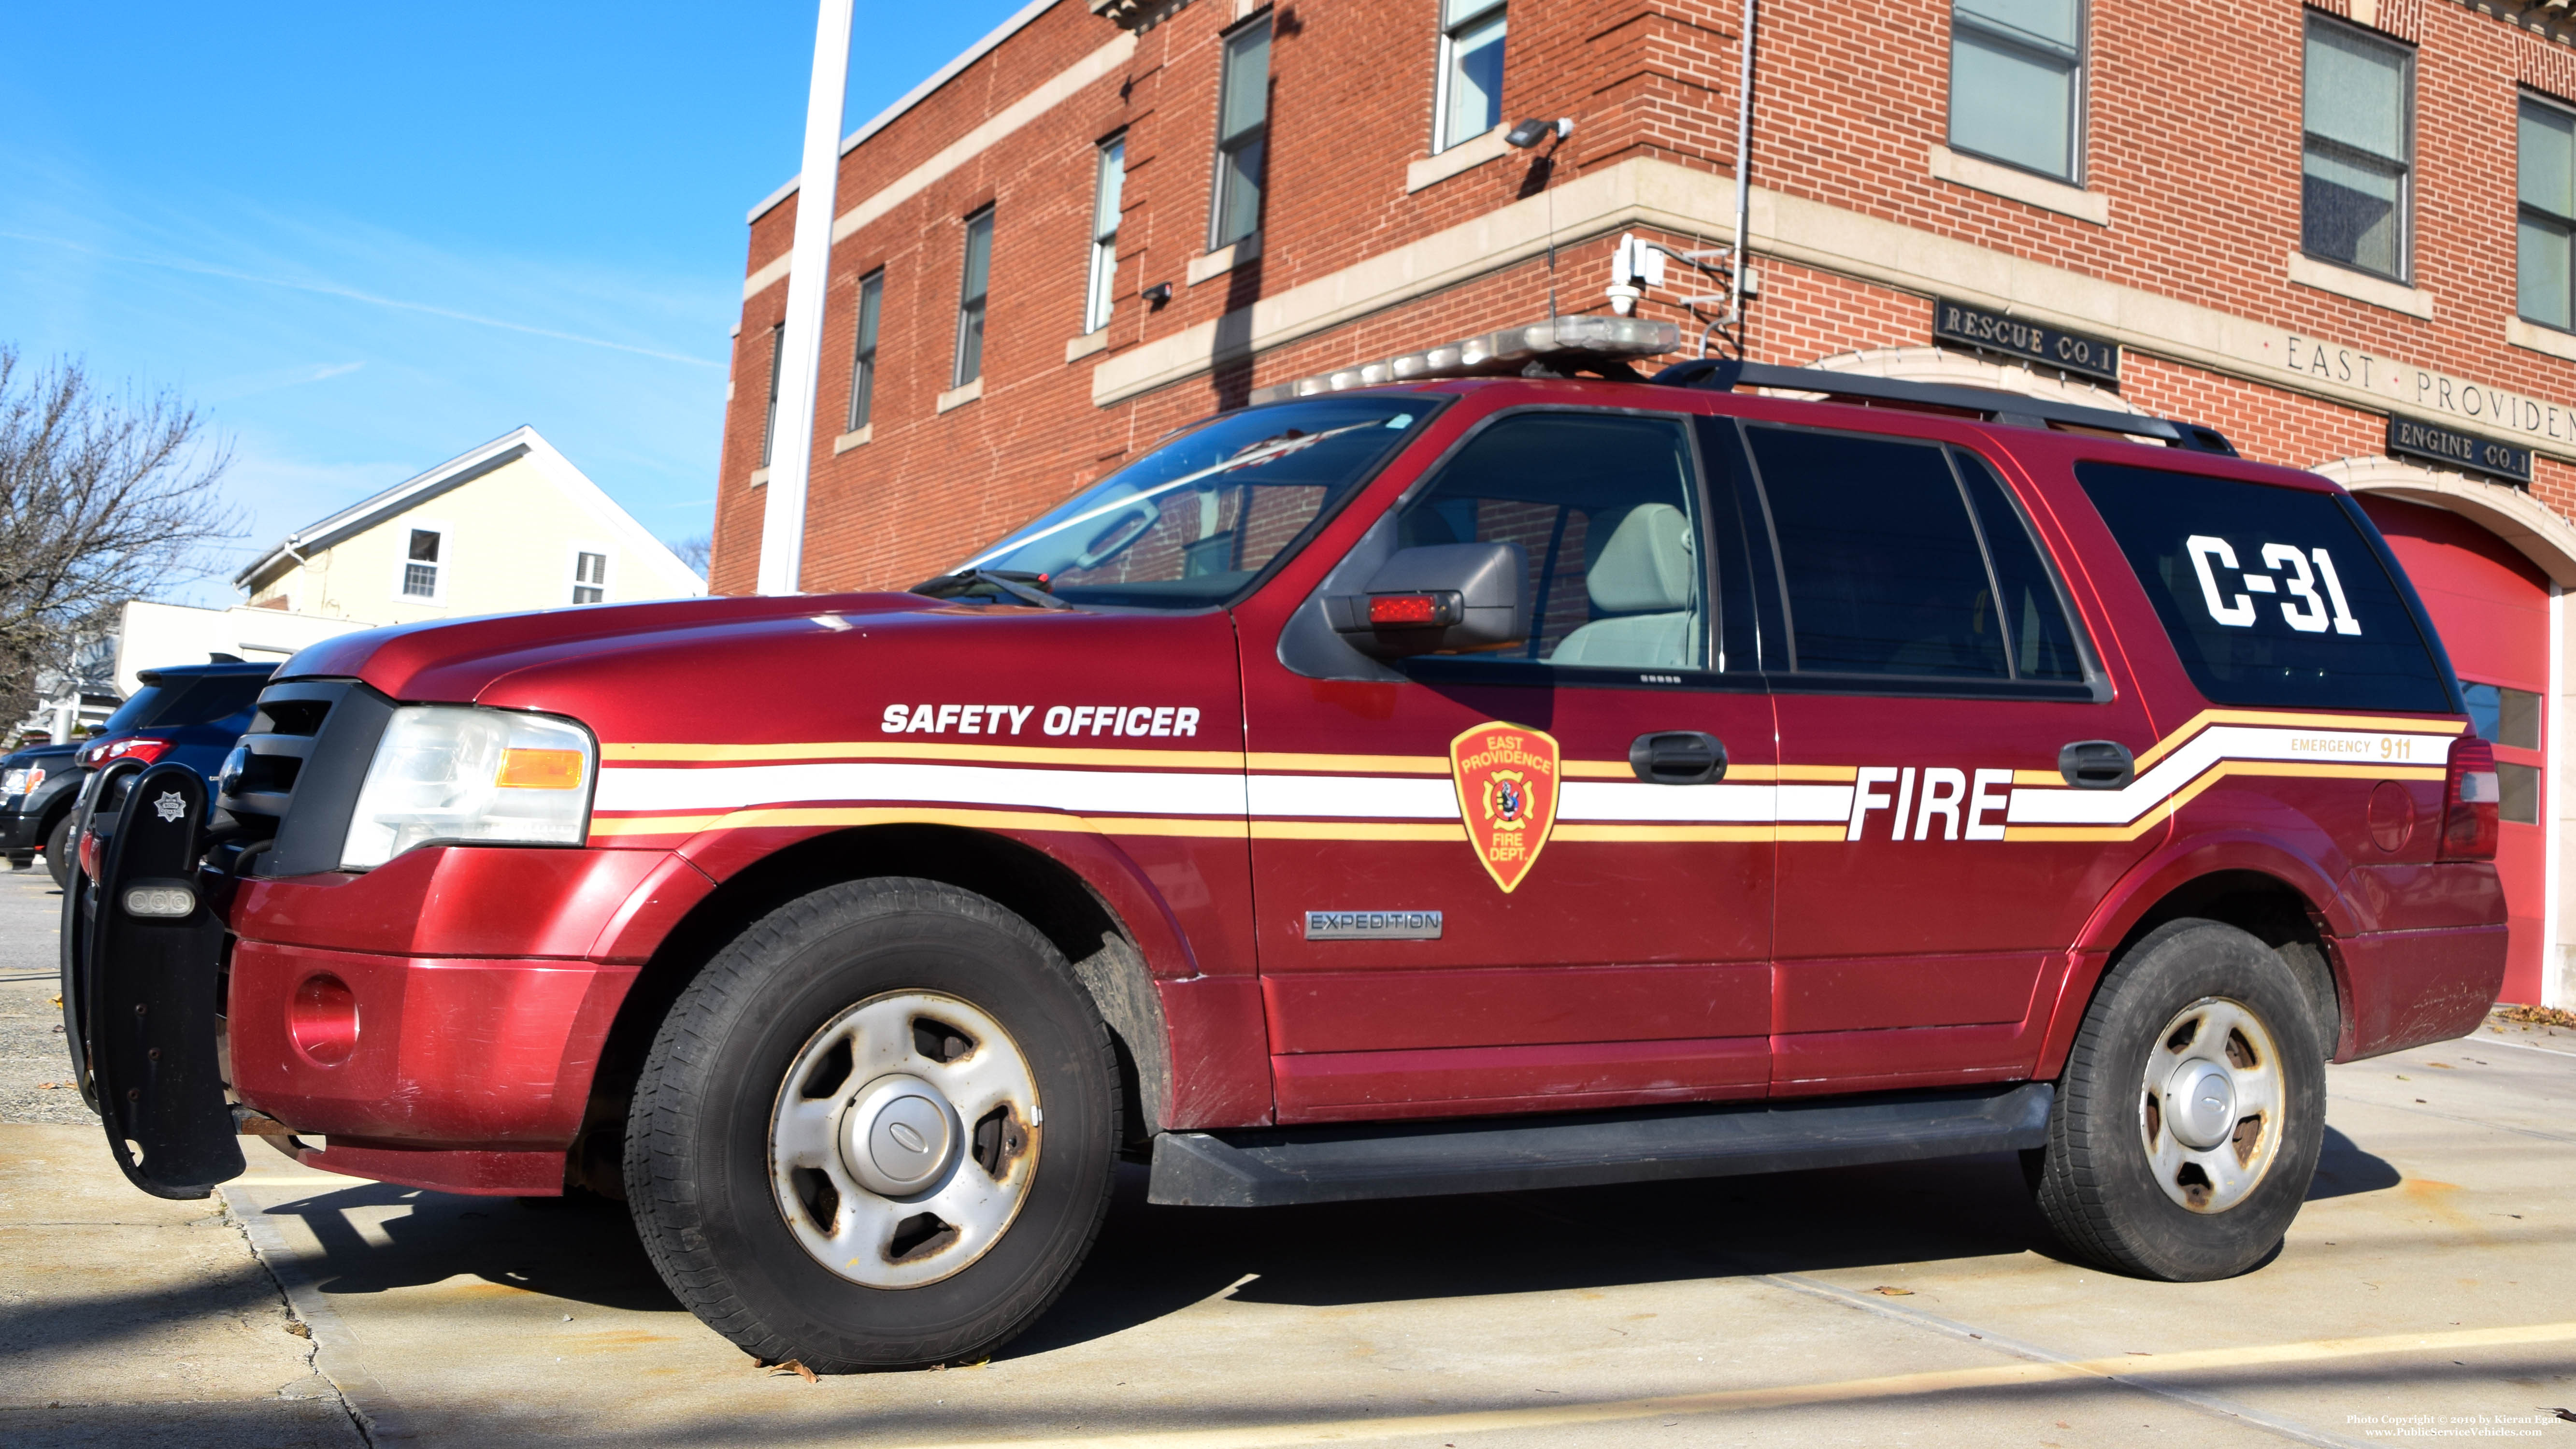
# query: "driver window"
1605 509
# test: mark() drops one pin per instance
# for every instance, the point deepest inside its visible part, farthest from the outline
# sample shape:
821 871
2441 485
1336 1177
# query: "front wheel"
2191 1114
879 1130
58 850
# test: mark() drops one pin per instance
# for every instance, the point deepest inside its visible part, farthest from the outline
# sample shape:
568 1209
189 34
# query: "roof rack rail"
1725 374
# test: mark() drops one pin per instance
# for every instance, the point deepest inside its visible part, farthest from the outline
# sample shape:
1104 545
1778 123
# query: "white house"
509 526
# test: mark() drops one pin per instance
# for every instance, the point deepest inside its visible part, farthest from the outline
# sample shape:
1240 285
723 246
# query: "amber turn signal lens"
539 770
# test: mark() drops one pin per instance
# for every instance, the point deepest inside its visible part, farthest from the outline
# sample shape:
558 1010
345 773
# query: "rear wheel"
2189 1120
878 1130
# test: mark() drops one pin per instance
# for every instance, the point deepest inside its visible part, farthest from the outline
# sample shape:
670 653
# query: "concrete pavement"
2429 1278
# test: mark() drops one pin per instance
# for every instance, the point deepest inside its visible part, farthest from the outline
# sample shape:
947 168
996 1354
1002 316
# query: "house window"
1104 234
2017 83
769 420
420 565
1469 99
1242 135
970 298
589 577
2548 224
863 368
2358 111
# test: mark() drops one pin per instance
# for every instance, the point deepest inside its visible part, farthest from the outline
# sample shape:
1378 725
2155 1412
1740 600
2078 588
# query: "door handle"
1678 757
2097 765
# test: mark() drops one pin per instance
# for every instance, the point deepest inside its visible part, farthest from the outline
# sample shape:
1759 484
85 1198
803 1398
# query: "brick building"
2343 232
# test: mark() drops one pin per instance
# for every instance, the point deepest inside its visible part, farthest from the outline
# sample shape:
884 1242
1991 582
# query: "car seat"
1647 578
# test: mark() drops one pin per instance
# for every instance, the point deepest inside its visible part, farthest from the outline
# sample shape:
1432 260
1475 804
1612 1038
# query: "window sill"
2536 338
2307 271
958 397
759 476
1225 259
849 440
1467 155
2021 186
1085 345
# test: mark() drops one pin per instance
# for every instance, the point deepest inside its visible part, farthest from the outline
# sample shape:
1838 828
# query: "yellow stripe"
2164 809
2385 724
874 750
1835 833
1223 827
1352 764
2012 1377
2038 777
1667 832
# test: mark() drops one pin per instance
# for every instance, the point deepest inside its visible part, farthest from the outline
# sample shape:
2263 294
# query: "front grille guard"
140 1006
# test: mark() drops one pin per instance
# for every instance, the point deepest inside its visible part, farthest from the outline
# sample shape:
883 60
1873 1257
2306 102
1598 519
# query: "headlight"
13 783
447 773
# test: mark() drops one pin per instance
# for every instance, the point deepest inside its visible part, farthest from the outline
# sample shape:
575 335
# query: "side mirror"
1442 596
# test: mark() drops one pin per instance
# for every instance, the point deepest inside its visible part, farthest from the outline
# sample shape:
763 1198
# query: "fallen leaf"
791 1366
1894 1292
299 1328
2401 1076
2445 1066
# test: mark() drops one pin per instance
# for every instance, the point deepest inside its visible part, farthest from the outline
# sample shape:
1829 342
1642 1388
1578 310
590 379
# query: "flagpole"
782 526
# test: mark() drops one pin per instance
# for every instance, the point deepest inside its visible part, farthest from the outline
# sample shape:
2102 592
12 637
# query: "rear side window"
1884 553
2272 596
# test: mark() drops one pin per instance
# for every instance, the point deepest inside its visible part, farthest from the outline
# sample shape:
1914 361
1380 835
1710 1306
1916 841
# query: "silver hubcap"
2211 1105
904 1139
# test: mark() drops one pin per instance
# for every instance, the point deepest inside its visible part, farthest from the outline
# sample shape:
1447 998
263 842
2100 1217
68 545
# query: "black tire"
697 1163
58 851
2098 1184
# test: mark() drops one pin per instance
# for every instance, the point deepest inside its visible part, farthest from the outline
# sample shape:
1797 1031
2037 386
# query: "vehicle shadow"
582 1249
2346 1169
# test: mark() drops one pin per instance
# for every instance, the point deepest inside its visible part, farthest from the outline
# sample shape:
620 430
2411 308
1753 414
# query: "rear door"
1932 663
1468 900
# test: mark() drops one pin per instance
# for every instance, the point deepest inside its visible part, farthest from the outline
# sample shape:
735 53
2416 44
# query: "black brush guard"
140 993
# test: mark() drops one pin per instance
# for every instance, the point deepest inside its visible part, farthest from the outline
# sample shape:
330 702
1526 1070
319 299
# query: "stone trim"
2307 271
2017 185
1467 155
958 397
847 441
1224 259
2540 339
1085 345
2511 514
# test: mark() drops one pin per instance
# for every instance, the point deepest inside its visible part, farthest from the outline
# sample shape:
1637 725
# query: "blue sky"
367 238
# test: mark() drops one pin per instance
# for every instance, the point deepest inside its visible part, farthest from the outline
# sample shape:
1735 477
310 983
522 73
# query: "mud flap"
147 987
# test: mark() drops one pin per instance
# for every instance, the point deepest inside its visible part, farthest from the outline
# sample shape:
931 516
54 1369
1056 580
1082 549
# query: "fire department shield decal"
1506 778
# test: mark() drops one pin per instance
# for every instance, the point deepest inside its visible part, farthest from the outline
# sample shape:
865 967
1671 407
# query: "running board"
1275 1166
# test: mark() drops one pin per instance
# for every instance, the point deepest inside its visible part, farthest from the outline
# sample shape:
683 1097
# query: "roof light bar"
1561 344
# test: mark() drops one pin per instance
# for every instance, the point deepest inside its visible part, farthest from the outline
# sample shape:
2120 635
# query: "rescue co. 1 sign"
2072 352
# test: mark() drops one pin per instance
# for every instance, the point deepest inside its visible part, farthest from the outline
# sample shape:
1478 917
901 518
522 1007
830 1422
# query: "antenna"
1526 135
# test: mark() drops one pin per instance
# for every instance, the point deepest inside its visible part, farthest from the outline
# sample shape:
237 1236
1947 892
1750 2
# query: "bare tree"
104 497
695 551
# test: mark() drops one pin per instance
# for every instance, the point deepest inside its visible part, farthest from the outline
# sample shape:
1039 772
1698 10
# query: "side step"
1275 1166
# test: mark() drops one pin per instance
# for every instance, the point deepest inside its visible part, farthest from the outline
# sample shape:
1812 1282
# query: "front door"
1469 900
1933 665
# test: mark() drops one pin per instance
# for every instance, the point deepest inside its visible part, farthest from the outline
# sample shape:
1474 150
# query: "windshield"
1190 523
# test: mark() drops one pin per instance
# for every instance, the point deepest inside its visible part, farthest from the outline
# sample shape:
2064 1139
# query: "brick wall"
2193 136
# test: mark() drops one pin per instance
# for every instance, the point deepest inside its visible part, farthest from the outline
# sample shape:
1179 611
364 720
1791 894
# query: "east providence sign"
2442 398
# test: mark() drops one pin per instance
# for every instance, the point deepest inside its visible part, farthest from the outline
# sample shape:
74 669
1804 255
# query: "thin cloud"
328 289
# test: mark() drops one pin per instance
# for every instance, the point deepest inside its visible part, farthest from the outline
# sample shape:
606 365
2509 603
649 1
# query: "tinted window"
2036 630
2273 596
183 700
1880 558
1604 508
1190 523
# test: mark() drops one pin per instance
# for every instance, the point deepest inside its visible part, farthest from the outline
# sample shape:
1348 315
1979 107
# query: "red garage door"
2492 607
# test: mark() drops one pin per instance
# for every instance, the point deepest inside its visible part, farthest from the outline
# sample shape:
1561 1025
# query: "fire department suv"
1446 776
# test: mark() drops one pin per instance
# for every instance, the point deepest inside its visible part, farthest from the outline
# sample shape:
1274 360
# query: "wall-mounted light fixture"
1157 294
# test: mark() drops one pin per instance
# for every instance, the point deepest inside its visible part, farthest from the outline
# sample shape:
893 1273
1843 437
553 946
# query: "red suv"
1430 786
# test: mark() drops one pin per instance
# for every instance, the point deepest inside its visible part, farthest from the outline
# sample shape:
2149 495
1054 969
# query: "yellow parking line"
1935 1381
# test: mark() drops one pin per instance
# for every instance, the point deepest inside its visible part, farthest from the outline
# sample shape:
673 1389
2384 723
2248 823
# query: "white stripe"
1355 797
2208 748
1132 792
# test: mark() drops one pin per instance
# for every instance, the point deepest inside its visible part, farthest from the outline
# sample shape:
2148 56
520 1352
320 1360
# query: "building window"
1242 135
589 577
1469 98
2017 83
2542 268
970 298
420 565
2358 110
1112 181
769 420
863 367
